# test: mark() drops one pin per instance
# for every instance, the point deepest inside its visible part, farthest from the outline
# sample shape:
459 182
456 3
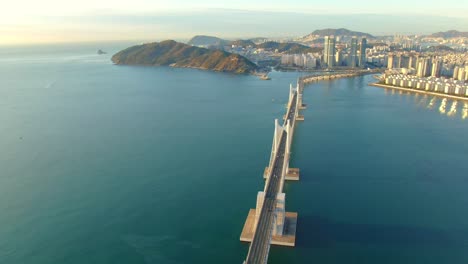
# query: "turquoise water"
113 164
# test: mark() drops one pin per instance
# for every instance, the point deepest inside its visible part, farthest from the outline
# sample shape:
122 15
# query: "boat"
265 77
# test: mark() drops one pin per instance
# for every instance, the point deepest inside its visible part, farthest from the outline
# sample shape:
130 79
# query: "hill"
242 42
450 34
206 41
439 48
289 47
258 40
172 53
340 32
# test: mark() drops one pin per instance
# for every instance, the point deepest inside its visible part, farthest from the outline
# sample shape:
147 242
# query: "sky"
50 21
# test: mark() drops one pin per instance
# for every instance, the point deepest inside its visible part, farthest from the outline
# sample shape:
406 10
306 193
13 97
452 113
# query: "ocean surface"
114 164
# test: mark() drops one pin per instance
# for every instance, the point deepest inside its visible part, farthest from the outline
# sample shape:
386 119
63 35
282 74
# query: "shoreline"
187 67
308 80
418 91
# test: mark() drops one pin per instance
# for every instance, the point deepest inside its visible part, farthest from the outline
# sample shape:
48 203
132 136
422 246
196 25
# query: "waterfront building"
391 58
436 68
461 74
397 62
455 73
299 60
412 62
405 62
325 49
331 49
362 57
423 67
353 53
287 59
338 58
430 84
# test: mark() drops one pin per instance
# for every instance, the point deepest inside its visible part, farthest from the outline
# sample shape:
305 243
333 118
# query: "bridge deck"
260 246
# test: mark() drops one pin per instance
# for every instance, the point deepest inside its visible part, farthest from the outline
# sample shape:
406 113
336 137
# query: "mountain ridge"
339 32
449 34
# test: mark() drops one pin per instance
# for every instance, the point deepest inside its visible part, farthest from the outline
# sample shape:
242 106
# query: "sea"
102 163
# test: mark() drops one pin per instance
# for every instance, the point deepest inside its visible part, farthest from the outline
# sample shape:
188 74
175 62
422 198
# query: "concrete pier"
287 239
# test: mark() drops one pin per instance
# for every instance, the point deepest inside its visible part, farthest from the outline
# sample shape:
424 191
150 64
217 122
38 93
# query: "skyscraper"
353 54
329 51
398 61
362 57
405 62
391 58
325 49
423 67
420 67
436 68
412 62
338 58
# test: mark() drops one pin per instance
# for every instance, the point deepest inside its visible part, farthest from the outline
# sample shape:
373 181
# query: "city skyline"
54 21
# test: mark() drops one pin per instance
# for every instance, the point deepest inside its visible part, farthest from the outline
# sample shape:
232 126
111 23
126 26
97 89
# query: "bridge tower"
284 223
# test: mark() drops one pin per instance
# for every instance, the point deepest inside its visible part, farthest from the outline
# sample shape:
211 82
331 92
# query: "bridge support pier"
284 226
298 117
291 175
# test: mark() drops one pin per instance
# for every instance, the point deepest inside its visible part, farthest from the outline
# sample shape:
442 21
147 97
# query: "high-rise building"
423 67
420 67
412 62
455 72
338 58
362 57
331 52
398 61
325 49
427 67
436 68
405 62
353 54
466 73
391 58
461 74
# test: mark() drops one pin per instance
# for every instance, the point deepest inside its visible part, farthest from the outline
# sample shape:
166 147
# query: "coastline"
418 91
207 69
332 76
188 67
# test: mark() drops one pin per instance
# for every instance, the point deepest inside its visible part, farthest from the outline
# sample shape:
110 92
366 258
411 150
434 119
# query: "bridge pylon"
284 225
292 174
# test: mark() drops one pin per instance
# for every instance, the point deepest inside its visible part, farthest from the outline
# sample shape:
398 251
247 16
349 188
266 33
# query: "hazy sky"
40 21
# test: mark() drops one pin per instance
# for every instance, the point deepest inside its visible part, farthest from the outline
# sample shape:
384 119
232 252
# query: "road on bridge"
258 251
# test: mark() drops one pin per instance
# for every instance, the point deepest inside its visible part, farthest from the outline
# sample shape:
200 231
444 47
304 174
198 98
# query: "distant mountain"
289 47
176 54
205 41
242 42
258 40
339 32
439 48
450 34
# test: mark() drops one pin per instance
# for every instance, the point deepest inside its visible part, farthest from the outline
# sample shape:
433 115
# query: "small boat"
265 77
100 52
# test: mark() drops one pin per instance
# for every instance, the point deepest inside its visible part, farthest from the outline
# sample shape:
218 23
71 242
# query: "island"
175 54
